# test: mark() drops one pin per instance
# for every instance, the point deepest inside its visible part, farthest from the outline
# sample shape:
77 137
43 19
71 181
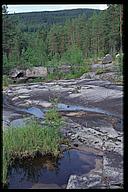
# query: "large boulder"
16 73
107 59
36 72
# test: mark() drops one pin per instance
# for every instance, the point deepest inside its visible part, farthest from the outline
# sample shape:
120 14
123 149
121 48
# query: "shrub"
73 55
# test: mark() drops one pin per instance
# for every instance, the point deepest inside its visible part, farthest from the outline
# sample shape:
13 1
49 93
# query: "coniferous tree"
85 35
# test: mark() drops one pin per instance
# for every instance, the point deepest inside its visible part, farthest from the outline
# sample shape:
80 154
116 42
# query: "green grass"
75 72
6 161
6 81
18 141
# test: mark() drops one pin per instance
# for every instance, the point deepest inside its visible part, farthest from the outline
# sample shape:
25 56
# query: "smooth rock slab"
96 94
24 90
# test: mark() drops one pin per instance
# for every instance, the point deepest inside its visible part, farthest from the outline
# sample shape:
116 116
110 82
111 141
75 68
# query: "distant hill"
30 21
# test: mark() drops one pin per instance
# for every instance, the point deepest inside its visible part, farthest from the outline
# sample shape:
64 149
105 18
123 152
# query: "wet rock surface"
93 113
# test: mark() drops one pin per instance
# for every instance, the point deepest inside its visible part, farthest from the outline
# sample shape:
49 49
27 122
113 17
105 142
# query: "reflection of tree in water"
31 169
51 170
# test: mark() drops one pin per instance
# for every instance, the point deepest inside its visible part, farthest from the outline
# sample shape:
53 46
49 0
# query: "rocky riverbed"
93 113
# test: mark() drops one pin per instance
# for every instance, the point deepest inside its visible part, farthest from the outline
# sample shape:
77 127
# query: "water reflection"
48 170
64 107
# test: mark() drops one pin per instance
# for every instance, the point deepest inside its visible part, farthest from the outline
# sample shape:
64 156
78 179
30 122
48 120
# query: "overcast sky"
51 7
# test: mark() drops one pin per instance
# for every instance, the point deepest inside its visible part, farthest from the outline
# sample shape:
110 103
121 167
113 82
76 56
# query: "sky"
51 7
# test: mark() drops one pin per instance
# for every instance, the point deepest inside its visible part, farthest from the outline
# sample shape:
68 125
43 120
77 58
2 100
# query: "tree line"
71 42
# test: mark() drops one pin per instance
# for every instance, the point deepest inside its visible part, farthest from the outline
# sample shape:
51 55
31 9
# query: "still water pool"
49 172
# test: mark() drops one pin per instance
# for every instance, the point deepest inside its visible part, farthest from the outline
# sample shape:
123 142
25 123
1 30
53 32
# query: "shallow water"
7 104
50 172
64 107
35 111
39 112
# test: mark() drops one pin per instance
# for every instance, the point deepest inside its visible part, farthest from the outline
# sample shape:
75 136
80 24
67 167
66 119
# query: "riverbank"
92 111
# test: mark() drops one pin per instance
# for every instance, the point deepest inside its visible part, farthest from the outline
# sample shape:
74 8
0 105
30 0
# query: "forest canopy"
58 37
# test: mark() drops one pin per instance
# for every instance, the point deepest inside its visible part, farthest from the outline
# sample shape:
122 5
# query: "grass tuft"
30 138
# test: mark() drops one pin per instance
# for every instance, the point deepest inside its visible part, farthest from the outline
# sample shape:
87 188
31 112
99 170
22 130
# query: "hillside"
31 20
54 38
